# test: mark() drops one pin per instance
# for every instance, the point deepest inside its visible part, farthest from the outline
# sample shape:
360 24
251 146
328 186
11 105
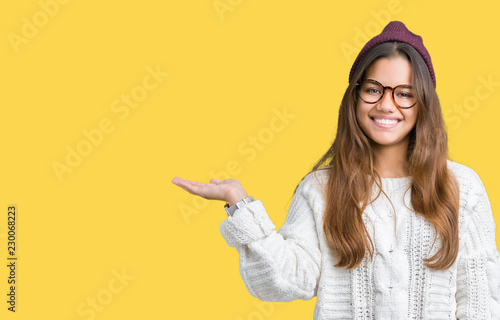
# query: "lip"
383 125
385 117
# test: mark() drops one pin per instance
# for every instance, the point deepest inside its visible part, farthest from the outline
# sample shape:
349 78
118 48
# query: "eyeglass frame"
383 92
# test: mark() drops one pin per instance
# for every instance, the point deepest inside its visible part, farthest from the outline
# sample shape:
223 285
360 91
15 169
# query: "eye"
372 90
404 93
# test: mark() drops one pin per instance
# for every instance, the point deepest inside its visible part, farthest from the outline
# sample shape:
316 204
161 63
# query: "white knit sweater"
295 263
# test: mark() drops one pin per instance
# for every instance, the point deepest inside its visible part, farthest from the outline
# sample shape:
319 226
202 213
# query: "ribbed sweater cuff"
247 224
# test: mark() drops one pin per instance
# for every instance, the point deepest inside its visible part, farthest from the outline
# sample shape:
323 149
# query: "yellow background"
229 73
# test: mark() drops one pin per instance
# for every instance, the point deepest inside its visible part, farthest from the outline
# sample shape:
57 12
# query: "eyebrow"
403 84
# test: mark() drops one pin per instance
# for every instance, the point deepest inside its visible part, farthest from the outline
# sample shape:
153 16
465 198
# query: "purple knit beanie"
397 31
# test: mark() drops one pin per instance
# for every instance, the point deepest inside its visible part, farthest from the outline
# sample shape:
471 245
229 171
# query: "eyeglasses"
372 91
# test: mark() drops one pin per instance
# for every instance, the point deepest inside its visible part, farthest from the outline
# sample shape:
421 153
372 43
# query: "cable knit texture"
296 263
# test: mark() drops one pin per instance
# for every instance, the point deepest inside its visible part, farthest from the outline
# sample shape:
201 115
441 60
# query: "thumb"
215 181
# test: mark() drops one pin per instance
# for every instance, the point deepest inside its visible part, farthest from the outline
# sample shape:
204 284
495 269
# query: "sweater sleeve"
278 266
478 275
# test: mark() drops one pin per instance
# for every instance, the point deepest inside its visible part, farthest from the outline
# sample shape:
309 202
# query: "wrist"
236 196
230 210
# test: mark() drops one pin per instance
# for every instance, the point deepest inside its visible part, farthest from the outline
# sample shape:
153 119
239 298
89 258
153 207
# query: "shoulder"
463 173
316 180
475 209
477 224
313 185
470 185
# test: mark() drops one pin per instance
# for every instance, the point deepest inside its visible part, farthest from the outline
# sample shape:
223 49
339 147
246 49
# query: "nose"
386 104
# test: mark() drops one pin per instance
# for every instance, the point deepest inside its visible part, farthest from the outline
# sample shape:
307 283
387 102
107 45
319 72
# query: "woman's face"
383 122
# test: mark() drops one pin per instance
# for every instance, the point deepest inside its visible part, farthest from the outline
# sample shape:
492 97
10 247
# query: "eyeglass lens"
372 92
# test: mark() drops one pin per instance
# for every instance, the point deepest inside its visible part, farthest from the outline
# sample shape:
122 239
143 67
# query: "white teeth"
386 121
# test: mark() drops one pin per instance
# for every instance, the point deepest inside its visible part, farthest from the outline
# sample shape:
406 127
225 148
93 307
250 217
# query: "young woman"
384 226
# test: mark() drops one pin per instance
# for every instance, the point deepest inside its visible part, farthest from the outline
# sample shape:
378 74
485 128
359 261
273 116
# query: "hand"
229 190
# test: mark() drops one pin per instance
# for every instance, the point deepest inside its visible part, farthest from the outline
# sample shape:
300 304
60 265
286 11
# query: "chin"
387 142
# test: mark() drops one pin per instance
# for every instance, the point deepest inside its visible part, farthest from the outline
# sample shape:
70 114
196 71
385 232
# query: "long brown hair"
350 163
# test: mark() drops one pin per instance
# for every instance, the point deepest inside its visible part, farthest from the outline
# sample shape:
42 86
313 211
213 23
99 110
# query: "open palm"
226 190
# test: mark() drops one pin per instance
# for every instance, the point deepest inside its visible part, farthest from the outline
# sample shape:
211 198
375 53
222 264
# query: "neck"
391 161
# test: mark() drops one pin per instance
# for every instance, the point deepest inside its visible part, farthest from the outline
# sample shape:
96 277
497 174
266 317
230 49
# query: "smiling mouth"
386 121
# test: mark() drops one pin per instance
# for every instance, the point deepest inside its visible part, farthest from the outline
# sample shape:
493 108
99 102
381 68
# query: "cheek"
361 112
362 118
414 116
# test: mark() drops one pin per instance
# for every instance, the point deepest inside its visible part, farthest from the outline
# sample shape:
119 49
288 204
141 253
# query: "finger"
215 181
175 180
190 188
204 190
180 182
190 184
201 189
184 184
